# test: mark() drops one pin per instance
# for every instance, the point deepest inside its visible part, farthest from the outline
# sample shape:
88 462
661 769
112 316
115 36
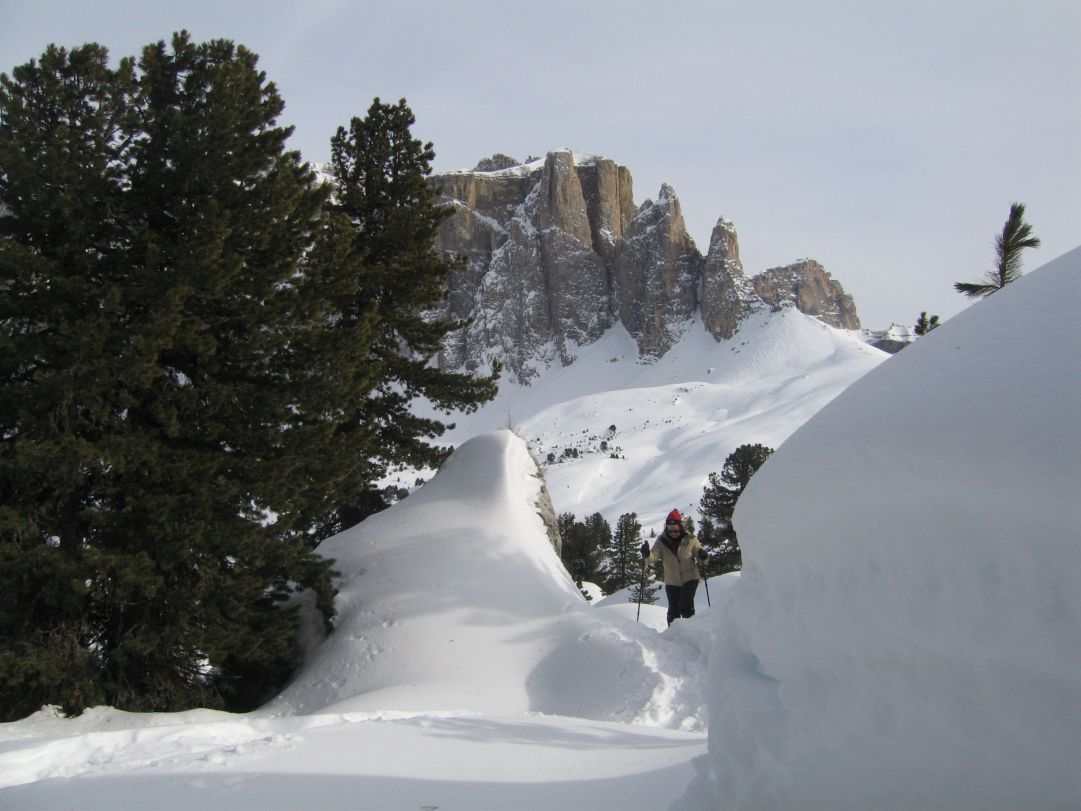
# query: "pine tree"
646 593
384 202
624 558
713 543
925 324
158 412
583 543
1015 237
719 502
60 191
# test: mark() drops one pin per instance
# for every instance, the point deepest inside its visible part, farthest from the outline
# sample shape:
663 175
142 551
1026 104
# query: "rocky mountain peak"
557 252
808 286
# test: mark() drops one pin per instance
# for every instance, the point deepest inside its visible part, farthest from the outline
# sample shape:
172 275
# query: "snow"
677 419
111 760
904 633
713 591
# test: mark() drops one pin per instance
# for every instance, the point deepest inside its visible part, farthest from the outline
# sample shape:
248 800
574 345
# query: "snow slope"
676 419
906 632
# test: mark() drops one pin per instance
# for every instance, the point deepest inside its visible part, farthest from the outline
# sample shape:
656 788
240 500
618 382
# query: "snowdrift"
455 601
906 630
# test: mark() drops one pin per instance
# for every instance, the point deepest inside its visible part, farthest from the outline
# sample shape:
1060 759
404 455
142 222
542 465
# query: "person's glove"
645 550
703 555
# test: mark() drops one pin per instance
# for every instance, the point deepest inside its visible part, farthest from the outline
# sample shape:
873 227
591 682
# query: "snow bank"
907 629
455 601
110 760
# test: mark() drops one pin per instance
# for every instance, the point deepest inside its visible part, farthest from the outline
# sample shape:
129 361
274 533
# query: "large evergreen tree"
151 233
200 358
386 205
1015 237
719 502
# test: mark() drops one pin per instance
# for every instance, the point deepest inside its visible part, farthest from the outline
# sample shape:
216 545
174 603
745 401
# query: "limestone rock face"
608 191
807 285
556 252
727 295
656 275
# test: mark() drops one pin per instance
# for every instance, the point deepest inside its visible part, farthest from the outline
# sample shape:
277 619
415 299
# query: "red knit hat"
674 518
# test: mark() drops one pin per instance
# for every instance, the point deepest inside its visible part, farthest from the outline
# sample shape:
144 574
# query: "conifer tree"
60 191
719 502
714 545
925 324
646 593
583 544
197 361
385 204
624 560
1015 237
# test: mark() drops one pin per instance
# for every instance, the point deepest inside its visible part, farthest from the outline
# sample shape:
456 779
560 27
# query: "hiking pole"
641 588
706 581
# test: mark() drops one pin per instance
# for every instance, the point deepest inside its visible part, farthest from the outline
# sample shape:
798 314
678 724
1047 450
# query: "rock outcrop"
556 252
727 295
807 285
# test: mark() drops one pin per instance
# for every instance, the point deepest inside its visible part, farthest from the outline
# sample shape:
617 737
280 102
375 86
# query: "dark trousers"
681 600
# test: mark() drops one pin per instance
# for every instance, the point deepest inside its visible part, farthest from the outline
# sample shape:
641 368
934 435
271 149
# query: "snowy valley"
904 633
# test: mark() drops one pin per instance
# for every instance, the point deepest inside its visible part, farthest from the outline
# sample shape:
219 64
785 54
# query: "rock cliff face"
807 285
557 252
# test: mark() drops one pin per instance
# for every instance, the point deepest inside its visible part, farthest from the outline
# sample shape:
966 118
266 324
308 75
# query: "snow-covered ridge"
455 600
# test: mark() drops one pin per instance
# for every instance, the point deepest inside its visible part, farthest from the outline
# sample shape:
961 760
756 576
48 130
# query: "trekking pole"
706 581
641 588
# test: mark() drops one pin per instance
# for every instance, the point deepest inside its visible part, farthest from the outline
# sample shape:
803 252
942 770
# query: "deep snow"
904 633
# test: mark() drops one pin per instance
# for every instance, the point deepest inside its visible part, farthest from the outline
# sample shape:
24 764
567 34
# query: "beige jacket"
681 567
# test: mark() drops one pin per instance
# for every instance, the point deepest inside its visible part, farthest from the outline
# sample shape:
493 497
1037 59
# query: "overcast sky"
885 139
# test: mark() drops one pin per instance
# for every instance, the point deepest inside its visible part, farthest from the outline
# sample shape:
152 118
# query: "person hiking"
677 549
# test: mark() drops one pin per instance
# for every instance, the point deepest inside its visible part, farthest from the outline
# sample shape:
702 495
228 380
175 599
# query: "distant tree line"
206 361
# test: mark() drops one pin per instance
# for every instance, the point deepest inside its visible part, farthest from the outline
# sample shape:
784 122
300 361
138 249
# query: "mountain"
557 253
616 433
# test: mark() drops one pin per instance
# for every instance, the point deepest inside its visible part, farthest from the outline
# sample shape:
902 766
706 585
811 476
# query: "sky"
885 139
